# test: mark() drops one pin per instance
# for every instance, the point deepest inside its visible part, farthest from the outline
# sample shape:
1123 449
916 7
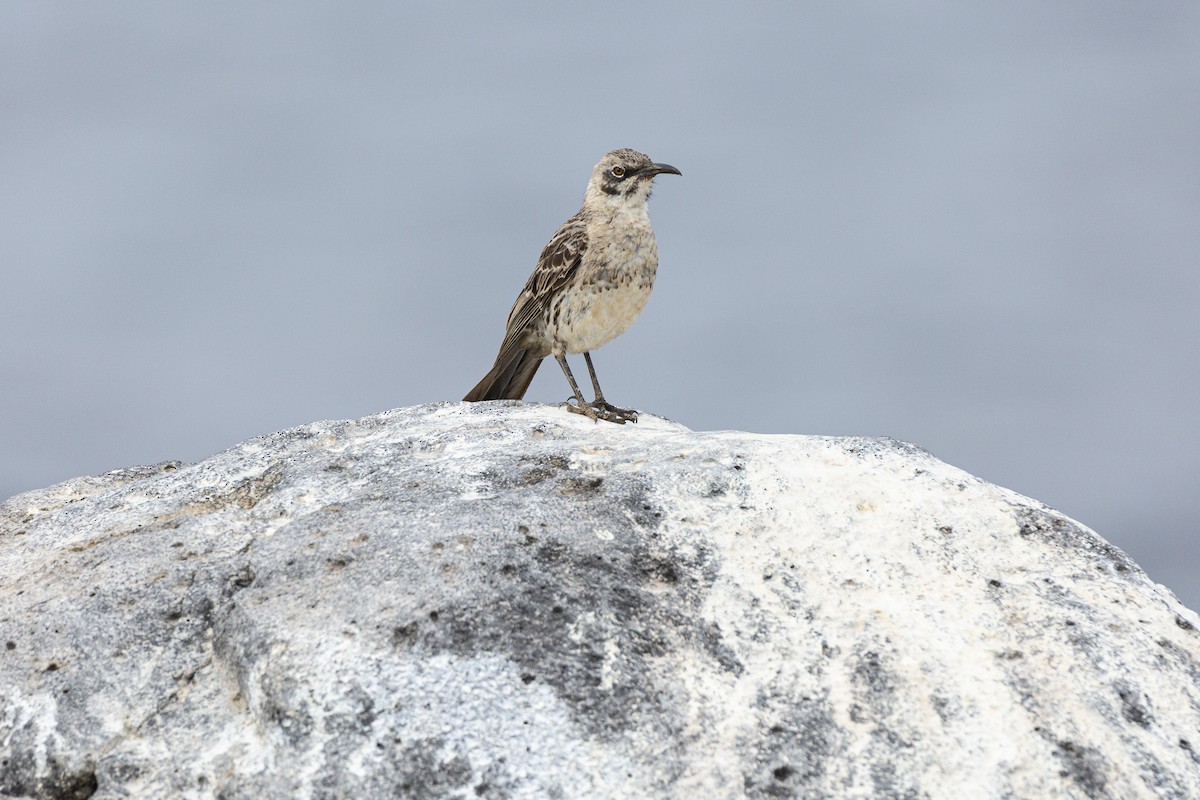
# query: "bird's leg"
584 407
624 414
598 410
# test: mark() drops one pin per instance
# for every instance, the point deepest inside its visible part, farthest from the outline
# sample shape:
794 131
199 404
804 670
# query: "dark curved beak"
658 169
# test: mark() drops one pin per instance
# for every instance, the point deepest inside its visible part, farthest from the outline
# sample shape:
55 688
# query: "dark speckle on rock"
1133 707
1085 766
405 635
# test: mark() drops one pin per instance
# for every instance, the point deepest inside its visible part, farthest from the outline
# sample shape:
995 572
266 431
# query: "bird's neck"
619 208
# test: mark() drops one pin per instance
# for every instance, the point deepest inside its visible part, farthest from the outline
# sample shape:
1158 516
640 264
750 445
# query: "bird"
591 283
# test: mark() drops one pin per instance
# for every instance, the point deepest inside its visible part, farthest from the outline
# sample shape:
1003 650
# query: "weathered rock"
507 601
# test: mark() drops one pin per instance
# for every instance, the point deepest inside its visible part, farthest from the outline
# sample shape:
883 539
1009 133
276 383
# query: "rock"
503 600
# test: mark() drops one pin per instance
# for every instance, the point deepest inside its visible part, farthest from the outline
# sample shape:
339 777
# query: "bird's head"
625 176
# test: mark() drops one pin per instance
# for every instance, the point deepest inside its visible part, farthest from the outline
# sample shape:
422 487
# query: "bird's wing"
556 267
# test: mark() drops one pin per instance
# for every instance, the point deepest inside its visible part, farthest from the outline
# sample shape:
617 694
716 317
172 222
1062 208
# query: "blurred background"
970 226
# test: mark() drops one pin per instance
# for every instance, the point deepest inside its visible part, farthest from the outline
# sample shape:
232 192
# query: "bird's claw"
626 414
601 410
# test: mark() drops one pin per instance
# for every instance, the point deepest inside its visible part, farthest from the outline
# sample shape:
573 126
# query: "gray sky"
970 226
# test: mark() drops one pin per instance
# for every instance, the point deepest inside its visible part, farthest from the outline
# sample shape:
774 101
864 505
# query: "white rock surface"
504 600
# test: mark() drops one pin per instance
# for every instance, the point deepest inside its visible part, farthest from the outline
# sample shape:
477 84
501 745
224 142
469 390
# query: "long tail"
508 379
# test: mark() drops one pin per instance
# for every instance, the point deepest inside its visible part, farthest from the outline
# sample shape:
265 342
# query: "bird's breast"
609 293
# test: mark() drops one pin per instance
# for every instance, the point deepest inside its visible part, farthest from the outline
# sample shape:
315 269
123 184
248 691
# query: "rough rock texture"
504 600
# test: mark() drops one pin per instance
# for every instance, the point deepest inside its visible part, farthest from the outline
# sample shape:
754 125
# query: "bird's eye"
618 172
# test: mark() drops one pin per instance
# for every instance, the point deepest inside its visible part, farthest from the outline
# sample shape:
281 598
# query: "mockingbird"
591 282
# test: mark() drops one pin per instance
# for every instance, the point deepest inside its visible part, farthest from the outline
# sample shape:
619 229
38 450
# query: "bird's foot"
603 411
584 409
626 414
